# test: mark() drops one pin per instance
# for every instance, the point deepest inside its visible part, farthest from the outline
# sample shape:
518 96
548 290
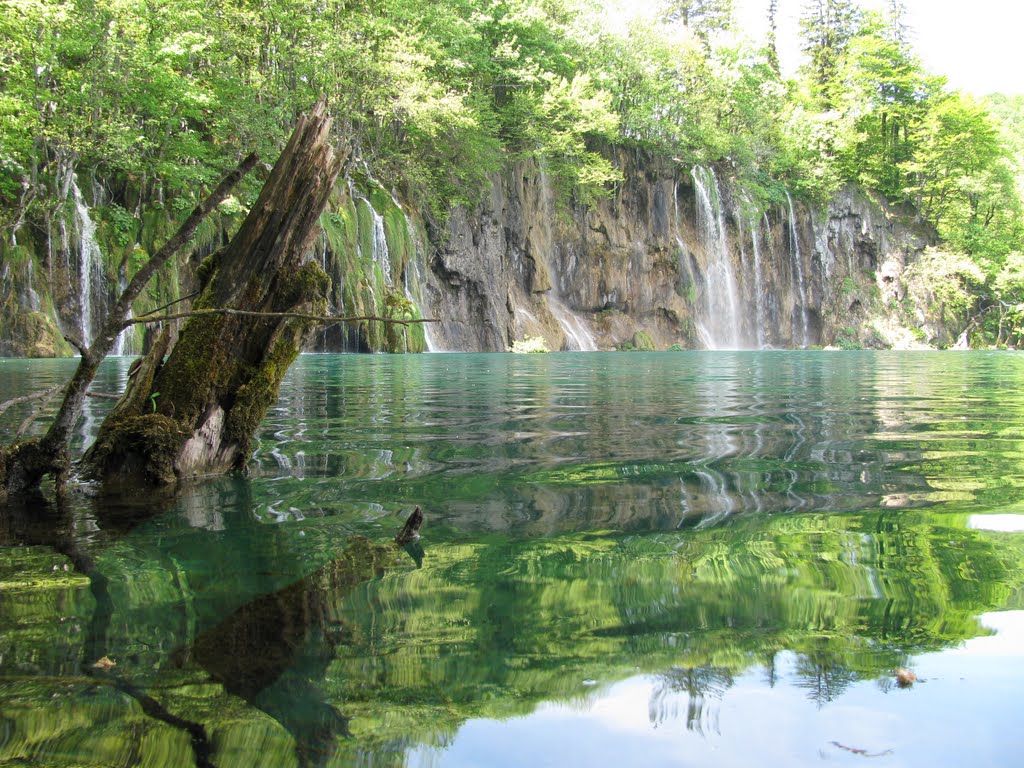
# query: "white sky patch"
977 46
1002 523
1007 642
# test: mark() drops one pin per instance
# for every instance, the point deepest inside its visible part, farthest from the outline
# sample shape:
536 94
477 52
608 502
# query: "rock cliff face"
677 258
674 257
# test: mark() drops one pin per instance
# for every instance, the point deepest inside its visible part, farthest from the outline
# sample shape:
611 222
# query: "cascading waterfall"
721 326
578 335
31 299
92 283
90 263
798 267
381 254
414 293
761 319
414 282
123 343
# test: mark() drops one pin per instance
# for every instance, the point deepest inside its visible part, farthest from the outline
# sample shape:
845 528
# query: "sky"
977 44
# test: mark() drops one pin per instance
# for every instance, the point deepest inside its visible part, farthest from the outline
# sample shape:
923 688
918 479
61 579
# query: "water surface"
643 559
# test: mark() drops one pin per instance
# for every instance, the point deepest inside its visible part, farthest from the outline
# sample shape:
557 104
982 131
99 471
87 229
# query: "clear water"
674 559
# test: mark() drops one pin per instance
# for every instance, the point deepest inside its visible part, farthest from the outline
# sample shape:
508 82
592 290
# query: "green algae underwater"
628 558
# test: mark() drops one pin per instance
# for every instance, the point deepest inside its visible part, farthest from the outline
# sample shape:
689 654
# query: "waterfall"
380 246
414 282
760 318
92 283
577 334
721 329
414 293
90 263
124 344
798 265
31 298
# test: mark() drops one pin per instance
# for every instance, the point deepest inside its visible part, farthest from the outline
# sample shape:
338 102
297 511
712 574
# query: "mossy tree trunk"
197 412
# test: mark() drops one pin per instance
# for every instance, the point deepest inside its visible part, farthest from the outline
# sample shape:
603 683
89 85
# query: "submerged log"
196 412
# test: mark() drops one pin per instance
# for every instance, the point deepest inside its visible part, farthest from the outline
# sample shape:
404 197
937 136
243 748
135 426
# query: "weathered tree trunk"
197 412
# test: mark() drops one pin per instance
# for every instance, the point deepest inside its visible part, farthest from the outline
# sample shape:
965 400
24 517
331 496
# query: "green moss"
187 378
641 342
364 230
402 338
143 446
307 287
259 392
208 268
341 229
401 248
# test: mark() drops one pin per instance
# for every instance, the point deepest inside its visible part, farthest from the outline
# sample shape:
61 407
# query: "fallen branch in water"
29 398
861 752
43 397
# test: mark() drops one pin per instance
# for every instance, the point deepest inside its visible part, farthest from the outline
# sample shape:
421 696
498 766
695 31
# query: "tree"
701 16
960 160
885 96
828 26
773 28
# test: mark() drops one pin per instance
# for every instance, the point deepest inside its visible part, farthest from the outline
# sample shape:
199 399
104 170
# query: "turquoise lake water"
665 559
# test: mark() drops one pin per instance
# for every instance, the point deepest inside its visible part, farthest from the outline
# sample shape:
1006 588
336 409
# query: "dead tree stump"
197 412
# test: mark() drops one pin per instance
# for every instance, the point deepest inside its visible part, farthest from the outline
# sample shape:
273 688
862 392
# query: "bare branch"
77 343
103 395
150 318
172 303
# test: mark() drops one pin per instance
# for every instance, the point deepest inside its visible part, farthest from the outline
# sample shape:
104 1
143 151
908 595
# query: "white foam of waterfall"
414 283
577 334
33 296
413 286
90 262
721 323
380 247
125 343
760 317
798 269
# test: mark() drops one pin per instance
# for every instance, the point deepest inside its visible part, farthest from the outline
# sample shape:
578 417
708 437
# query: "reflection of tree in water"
823 676
274 651
699 684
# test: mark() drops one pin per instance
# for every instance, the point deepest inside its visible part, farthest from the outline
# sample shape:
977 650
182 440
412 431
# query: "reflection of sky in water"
962 711
1003 523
